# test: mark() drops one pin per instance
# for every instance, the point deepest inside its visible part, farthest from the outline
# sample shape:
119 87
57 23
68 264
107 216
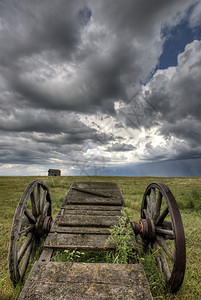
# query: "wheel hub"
145 228
43 225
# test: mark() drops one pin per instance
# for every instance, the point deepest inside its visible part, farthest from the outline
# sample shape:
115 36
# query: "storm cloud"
176 92
80 84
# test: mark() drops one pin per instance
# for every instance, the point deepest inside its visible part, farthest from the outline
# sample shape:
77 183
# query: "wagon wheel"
31 221
162 231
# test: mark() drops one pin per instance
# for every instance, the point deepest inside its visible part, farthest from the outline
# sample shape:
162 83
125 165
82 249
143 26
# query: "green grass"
187 192
81 256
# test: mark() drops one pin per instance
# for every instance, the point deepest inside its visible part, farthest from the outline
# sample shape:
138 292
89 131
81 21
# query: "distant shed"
54 172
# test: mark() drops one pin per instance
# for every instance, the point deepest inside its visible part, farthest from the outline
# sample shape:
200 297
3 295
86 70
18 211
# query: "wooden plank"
92 201
91 242
85 221
108 189
98 193
46 255
93 192
93 212
95 185
89 221
79 230
60 280
92 207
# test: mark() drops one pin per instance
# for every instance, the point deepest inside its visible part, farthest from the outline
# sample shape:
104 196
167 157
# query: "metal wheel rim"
177 274
16 255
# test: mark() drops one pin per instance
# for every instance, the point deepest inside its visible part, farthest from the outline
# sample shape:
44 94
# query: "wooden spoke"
46 208
29 215
146 213
153 201
26 261
38 197
165 232
42 203
162 216
24 247
165 267
34 205
25 223
166 225
164 264
165 247
25 231
34 246
158 206
148 205
158 261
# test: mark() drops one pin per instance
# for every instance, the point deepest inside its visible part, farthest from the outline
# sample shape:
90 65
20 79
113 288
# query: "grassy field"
187 192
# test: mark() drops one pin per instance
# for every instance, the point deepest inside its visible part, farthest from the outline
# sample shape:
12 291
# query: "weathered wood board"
81 230
87 220
96 185
91 208
91 242
78 281
92 212
94 193
92 200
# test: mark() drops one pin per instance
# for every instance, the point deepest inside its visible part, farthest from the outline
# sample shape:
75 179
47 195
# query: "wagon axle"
145 227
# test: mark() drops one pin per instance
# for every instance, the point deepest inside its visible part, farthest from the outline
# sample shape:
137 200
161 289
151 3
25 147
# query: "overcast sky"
100 87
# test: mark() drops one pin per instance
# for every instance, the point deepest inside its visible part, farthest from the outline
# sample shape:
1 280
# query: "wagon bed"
83 222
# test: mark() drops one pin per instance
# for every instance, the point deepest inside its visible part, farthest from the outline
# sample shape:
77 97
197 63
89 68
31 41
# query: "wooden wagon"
83 223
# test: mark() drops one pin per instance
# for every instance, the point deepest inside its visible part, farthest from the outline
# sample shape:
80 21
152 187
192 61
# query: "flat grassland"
187 192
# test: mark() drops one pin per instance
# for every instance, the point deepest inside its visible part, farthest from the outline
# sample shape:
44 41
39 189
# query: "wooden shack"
54 172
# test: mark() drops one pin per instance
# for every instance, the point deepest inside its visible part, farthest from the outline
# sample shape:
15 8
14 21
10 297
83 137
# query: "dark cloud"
119 125
38 37
31 28
44 121
20 150
186 129
139 16
39 137
28 149
121 147
100 49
